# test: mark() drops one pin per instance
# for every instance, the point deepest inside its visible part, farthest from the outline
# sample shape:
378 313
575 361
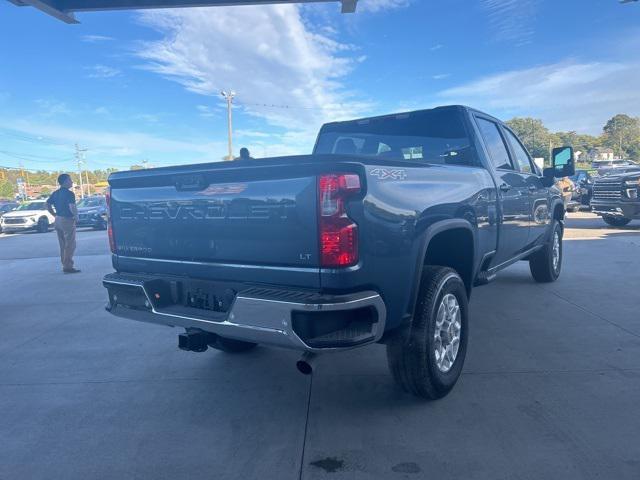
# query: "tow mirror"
563 163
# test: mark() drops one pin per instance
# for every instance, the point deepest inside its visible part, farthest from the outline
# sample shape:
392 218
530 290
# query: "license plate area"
193 294
176 296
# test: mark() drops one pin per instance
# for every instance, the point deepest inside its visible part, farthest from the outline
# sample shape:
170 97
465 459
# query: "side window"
495 145
522 158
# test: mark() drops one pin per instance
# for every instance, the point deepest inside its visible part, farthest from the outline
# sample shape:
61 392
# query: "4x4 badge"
392 173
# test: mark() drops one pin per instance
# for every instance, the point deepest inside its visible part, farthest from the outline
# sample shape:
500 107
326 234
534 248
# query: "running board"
483 278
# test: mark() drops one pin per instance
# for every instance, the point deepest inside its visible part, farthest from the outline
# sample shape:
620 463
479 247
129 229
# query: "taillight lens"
112 240
338 232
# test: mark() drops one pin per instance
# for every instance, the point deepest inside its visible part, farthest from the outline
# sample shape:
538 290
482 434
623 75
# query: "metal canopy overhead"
64 9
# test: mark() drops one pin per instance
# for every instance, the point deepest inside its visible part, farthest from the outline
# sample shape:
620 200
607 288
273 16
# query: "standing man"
62 205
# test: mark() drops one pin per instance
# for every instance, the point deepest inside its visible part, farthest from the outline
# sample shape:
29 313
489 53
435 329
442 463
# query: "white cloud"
205 111
147 117
436 47
511 20
251 134
266 54
101 111
119 143
379 5
51 108
102 71
441 76
566 95
96 38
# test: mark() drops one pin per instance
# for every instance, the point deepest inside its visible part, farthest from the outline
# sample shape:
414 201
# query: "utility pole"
86 176
533 136
79 152
229 98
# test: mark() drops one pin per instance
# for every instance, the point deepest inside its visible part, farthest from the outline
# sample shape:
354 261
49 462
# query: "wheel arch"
433 236
558 211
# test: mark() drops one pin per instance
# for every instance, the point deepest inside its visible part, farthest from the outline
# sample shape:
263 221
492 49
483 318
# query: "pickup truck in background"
616 196
378 236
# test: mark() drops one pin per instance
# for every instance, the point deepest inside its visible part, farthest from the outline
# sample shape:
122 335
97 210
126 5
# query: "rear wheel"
230 345
546 263
428 363
616 221
43 225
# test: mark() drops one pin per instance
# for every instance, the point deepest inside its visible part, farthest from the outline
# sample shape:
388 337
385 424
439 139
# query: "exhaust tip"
304 367
306 363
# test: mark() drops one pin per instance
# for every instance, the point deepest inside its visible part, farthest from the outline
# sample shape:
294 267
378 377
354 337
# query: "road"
550 389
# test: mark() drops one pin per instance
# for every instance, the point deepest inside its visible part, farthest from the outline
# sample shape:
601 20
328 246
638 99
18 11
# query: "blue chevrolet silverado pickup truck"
378 236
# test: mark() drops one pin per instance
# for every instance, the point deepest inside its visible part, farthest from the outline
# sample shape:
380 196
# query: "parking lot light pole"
79 160
229 98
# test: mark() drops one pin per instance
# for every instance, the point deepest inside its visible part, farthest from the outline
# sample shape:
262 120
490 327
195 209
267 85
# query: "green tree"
580 143
535 136
6 189
622 134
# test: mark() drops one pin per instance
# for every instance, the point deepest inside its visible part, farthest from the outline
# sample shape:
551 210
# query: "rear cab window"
437 136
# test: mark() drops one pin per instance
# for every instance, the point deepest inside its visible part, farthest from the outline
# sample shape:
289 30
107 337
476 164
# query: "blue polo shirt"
61 199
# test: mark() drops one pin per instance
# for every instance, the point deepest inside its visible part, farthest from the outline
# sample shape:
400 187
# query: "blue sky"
135 85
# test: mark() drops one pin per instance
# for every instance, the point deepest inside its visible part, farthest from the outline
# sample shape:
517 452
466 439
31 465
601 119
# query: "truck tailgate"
253 216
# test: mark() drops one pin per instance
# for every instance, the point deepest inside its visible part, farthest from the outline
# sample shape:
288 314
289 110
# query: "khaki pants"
66 229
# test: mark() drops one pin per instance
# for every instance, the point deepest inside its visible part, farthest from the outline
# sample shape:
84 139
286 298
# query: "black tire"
616 221
542 265
412 358
43 225
230 345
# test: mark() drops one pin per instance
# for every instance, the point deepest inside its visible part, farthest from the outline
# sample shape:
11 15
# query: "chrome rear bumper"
259 315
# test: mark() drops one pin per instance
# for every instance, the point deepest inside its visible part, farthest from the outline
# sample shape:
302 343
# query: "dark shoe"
71 270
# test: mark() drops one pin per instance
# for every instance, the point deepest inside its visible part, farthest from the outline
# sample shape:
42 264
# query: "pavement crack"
306 428
586 310
47 331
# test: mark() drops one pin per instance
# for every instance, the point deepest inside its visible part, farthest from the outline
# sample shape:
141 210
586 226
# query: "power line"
27 138
284 107
27 157
4 167
31 157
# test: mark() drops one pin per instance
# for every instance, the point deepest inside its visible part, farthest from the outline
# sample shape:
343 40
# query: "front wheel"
546 263
43 225
616 221
428 363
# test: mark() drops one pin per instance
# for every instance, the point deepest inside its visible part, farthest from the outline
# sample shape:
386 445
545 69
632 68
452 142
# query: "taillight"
112 240
338 232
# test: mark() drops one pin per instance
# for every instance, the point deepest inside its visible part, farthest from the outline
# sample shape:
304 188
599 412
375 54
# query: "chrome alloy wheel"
446 337
556 251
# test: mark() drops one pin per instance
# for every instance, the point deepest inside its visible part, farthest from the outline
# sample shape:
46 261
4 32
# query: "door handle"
505 188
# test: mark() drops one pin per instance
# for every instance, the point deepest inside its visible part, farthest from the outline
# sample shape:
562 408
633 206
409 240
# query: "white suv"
28 216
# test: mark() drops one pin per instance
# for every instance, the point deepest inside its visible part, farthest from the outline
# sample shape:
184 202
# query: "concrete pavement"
551 386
